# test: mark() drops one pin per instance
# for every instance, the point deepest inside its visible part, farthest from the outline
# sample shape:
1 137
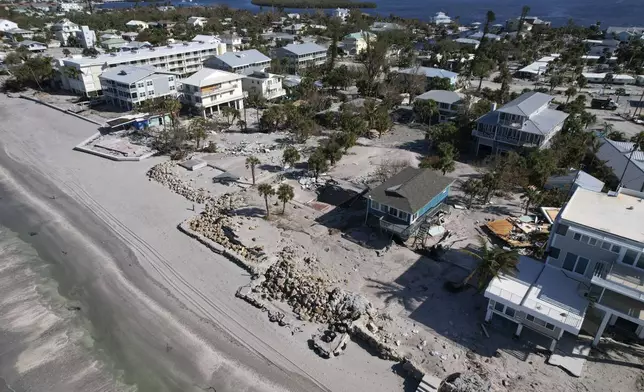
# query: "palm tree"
266 191
444 161
471 188
251 162
230 113
570 92
172 106
198 127
285 194
639 141
492 262
587 119
382 121
532 196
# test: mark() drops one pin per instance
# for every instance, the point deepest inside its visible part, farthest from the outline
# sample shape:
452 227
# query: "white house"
126 86
600 78
6 25
65 28
441 18
264 84
183 59
197 21
211 89
69 7
33 46
341 13
13 34
137 24
233 42
86 37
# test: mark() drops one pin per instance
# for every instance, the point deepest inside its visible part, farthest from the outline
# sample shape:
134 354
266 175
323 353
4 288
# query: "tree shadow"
252 212
419 145
270 168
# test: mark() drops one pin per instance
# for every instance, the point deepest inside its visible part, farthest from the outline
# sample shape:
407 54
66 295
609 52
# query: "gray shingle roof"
410 190
130 74
305 48
244 57
429 72
526 104
443 96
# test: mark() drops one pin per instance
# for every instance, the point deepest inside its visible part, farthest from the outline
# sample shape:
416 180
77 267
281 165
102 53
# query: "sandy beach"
159 306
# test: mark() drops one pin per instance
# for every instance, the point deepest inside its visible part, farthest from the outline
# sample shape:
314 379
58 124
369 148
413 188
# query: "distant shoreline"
313 4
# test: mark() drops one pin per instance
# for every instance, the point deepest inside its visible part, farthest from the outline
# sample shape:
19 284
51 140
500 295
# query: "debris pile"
310 297
246 148
214 223
329 343
164 173
465 382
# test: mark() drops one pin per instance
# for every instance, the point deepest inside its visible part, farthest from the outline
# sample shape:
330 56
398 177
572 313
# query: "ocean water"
583 12
45 342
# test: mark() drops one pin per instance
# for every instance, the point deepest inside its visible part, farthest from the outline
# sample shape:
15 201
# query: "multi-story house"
527 121
233 42
183 59
63 29
245 62
69 7
264 84
441 18
449 103
407 200
356 43
341 13
126 86
211 89
597 239
300 56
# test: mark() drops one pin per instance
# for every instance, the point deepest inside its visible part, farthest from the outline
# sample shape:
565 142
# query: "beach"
156 308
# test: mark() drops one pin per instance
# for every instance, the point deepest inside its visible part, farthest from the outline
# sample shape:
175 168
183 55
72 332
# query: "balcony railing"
559 315
217 91
483 134
621 278
511 123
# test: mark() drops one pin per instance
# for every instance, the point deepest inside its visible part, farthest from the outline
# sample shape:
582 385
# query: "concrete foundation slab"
429 384
571 358
193 164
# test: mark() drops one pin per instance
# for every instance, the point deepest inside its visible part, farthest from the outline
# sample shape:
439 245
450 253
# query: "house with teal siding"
403 202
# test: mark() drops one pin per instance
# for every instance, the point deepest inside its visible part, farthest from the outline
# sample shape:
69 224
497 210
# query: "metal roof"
443 96
130 74
242 58
305 48
429 72
410 190
126 57
208 77
526 104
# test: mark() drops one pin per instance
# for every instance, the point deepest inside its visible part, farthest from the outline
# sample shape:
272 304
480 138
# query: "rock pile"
465 382
310 297
164 173
214 223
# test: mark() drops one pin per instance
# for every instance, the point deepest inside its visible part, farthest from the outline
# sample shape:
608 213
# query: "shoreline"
76 282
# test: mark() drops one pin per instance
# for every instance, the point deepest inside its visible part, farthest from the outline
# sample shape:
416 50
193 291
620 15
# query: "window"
403 215
384 208
140 85
550 326
554 252
133 95
172 87
499 307
585 239
630 256
149 83
582 264
606 245
170 78
615 249
509 311
592 241
151 92
375 205
575 263
142 94
576 237
529 317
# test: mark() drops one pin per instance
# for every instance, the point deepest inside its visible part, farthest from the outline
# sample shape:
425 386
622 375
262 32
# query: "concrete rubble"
465 382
